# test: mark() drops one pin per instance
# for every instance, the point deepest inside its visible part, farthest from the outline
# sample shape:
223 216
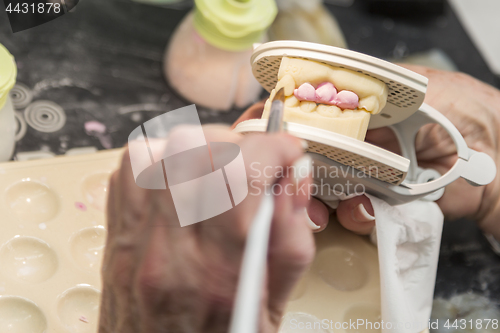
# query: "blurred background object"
433 58
480 19
406 8
159 2
308 21
8 74
208 59
174 4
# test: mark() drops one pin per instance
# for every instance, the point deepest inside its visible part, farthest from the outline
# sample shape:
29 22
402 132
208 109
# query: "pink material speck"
94 127
84 319
81 206
197 38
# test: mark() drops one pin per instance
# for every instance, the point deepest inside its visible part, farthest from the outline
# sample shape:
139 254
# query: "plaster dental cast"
332 98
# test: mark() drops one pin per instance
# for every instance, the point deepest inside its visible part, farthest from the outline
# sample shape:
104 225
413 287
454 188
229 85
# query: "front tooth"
347 100
305 92
348 113
291 101
370 104
307 106
326 92
329 110
288 83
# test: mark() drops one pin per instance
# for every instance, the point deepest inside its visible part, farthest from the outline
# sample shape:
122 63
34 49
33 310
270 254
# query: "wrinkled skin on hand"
474 108
160 277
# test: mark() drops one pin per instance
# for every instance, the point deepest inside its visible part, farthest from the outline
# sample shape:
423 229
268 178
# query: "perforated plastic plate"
406 88
372 160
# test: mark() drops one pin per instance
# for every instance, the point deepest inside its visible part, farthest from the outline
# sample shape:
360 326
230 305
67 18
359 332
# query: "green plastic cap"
233 25
8 73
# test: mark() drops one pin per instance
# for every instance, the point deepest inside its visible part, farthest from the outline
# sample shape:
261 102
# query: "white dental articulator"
396 180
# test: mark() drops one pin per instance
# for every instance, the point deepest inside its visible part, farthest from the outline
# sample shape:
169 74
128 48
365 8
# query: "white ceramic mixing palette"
52 242
342 285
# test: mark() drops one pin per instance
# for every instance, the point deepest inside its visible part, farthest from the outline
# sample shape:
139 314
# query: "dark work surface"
466 262
103 62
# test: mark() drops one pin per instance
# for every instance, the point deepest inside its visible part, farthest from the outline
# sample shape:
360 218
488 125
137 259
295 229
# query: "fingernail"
310 222
302 168
304 144
359 214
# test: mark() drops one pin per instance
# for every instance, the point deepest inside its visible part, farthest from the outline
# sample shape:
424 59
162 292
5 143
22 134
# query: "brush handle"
245 317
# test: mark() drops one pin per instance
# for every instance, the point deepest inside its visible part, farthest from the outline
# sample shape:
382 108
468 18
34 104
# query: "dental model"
332 98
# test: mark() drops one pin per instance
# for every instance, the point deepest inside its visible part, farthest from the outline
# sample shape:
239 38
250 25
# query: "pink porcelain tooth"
325 92
346 99
305 92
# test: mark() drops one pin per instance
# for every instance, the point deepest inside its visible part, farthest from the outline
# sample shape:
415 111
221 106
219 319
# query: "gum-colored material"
206 75
308 71
294 73
52 242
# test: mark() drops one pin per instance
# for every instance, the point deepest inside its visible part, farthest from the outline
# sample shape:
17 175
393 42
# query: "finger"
131 198
269 156
112 204
318 214
220 133
291 250
266 158
357 215
457 206
253 112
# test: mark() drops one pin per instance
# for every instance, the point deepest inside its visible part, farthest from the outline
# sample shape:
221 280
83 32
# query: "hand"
160 277
474 108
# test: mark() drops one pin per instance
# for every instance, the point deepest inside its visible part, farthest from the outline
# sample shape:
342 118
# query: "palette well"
342 284
341 287
52 242
53 237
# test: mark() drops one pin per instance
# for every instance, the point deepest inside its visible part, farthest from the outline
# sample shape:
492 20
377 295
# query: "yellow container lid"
8 74
233 25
